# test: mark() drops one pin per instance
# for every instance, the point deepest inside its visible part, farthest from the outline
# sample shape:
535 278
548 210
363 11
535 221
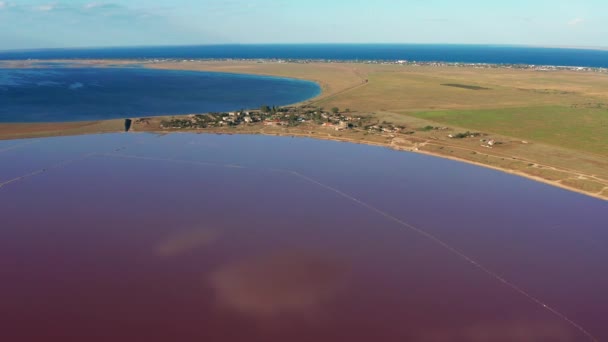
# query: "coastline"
115 126
427 153
351 78
327 138
396 148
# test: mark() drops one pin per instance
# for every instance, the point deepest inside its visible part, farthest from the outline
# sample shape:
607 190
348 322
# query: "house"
341 126
272 123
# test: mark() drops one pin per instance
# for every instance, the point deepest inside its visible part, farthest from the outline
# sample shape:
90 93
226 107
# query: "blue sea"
448 53
58 93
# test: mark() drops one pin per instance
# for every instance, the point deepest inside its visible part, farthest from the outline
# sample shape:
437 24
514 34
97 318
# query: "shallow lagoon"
204 237
59 93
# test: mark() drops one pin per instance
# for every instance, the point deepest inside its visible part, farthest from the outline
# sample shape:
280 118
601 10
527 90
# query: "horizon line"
539 46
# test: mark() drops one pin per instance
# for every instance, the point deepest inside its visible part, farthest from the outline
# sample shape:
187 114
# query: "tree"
265 109
293 120
335 110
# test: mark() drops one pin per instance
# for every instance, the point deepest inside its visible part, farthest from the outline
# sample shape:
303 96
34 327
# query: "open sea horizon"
491 54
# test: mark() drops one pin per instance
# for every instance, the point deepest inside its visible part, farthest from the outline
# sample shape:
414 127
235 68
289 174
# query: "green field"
584 129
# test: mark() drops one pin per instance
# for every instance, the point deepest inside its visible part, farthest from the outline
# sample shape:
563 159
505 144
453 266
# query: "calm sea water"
59 93
189 237
448 53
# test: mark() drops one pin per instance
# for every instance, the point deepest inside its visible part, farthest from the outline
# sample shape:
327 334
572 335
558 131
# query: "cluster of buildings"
287 116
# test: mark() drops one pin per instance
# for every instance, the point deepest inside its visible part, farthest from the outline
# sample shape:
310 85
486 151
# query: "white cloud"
94 5
45 8
576 21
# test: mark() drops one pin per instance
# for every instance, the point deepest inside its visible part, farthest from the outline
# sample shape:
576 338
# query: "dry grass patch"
584 184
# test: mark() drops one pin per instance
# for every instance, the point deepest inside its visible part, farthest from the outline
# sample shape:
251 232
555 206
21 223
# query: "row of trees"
268 109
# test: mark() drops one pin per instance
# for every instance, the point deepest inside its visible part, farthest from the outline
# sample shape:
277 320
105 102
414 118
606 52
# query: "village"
283 116
308 116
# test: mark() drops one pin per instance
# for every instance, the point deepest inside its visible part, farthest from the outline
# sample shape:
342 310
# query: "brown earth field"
550 126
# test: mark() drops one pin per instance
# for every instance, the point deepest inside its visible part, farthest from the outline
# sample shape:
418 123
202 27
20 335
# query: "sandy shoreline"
108 129
395 148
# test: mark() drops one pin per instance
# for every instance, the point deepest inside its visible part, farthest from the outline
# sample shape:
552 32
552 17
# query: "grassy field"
584 129
404 89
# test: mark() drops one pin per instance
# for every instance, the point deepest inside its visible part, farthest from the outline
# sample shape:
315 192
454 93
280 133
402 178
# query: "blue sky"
75 23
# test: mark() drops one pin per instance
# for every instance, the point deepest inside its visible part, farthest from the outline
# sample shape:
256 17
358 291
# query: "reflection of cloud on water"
204 144
287 283
48 83
27 77
10 80
76 85
184 242
504 331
